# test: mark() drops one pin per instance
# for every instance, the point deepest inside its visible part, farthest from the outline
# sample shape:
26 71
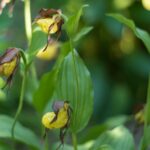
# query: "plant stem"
20 103
27 17
147 117
74 140
147 112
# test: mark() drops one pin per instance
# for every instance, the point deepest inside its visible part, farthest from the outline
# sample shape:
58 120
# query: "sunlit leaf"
22 134
118 139
73 22
39 40
82 33
140 33
74 84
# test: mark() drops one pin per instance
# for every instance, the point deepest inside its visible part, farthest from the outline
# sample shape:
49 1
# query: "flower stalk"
27 17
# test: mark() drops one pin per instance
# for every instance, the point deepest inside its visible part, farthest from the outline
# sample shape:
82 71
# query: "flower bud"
8 63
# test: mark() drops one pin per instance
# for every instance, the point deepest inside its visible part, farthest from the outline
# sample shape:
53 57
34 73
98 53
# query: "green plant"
68 80
65 90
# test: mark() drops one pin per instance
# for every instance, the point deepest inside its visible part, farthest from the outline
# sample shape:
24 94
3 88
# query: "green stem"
28 28
20 103
147 112
27 16
147 117
74 140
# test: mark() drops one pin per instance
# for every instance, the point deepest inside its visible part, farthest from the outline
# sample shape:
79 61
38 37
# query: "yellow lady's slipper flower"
45 25
7 68
59 119
50 21
50 52
52 120
8 63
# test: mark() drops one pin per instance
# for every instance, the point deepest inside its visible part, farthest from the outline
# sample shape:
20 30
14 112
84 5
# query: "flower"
59 119
50 21
8 63
50 52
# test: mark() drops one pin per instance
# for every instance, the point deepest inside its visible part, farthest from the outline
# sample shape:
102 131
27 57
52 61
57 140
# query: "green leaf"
84 146
119 139
95 131
73 22
116 121
48 81
74 84
39 40
45 90
82 33
22 134
140 33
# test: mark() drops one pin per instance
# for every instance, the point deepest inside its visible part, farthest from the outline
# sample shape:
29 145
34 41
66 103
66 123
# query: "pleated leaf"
74 84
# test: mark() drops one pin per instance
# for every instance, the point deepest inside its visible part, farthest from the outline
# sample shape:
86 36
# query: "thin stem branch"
74 140
147 117
147 112
20 103
27 17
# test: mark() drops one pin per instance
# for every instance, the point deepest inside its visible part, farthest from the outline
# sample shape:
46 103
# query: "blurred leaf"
4 146
116 121
48 81
22 134
74 84
120 94
95 131
119 139
141 34
31 87
2 96
39 40
84 146
137 63
73 22
45 90
82 33
105 147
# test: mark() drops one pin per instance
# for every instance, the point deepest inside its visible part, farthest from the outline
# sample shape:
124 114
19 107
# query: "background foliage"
117 60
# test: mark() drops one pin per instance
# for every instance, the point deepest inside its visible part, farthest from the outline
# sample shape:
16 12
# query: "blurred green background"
119 63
